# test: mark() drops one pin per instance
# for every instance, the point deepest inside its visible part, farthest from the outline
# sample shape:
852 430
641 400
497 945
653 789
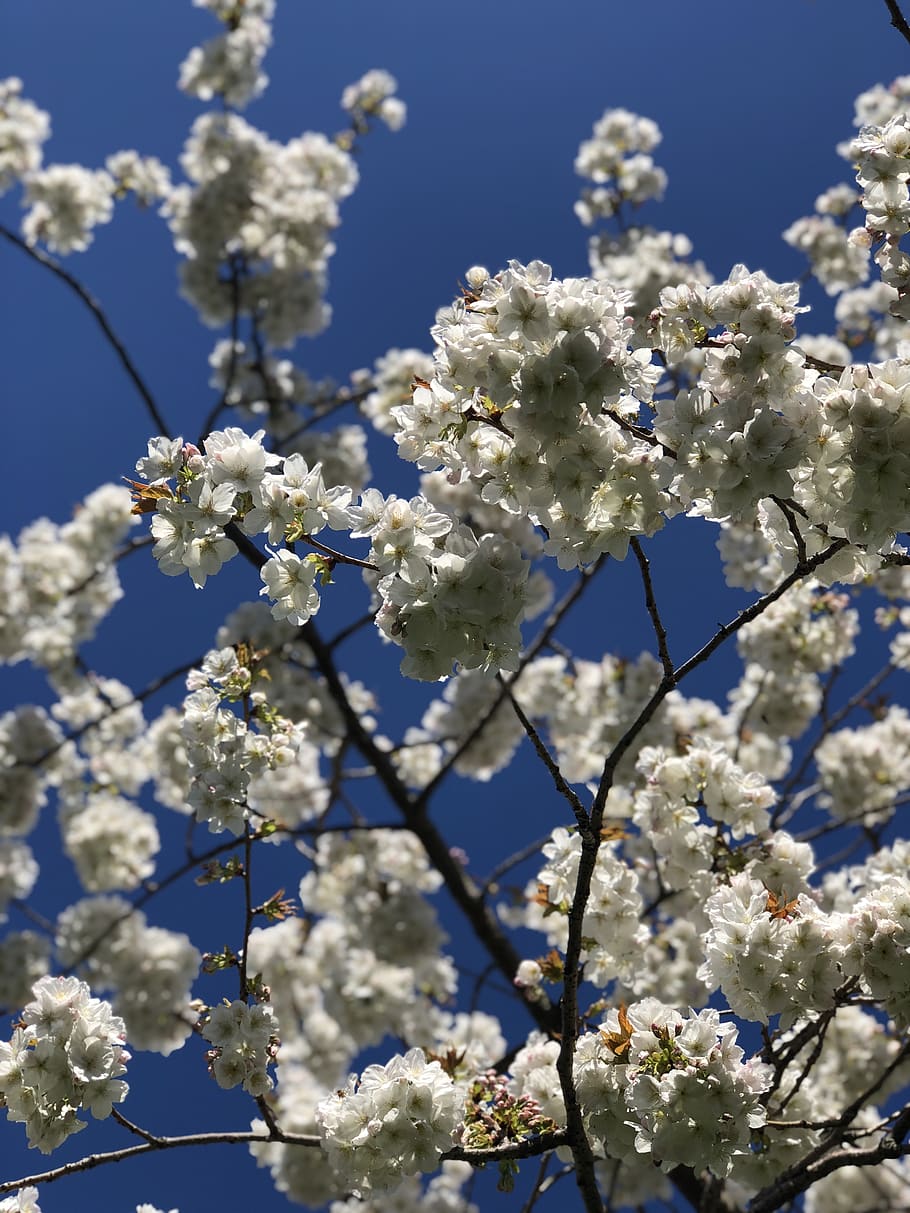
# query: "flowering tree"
708 971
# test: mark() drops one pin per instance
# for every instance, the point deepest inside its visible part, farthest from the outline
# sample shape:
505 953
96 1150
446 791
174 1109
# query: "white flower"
290 582
396 1121
66 203
69 1054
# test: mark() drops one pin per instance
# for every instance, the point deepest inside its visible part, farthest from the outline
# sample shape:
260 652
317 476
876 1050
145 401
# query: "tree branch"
91 1161
97 311
898 20
651 603
581 816
551 623
590 842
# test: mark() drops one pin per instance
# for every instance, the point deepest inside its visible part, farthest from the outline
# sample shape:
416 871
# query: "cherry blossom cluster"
24 958
18 873
643 261
617 160
229 65
254 222
396 1120
231 479
882 155
67 201
614 932
837 261
447 724
786 650
732 444
369 961
373 96
245 1043
443 1194
296 690
770 954
148 970
704 776
630 256
59 582
68 1054
392 383
365 961
533 378
25 1201
857 488
30 760
23 129
112 842
447 596
673 1086
872 942
862 771
223 750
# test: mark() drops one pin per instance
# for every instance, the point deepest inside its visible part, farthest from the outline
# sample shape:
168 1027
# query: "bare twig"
104 324
651 602
220 404
898 19
578 809
512 861
91 1161
543 638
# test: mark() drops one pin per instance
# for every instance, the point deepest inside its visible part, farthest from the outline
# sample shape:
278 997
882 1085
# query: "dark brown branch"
335 556
590 841
793 1182
530 1147
467 896
322 408
221 402
651 603
512 861
91 1161
826 1156
790 514
898 20
578 809
97 311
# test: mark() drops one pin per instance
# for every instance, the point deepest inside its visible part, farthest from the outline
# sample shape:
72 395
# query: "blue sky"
751 100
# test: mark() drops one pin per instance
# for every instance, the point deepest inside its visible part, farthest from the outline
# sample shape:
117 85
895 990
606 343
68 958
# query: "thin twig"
898 20
551 623
97 311
578 809
790 515
512 861
831 723
91 1161
221 403
651 603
